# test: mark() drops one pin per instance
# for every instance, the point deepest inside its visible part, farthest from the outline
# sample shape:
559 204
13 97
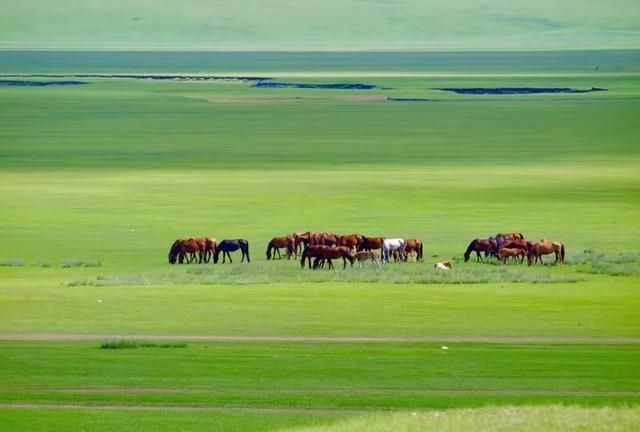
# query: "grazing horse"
276 243
318 238
413 246
311 251
226 246
520 244
180 249
366 256
514 253
352 241
206 248
371 243
389 246
329 253
546 247
488 246
300 241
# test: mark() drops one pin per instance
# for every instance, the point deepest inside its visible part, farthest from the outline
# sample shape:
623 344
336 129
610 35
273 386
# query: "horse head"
174 251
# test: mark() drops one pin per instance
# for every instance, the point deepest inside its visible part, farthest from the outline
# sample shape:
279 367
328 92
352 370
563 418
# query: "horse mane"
467 253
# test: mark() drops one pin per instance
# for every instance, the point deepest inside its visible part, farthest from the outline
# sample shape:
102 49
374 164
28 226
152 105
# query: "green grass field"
97 180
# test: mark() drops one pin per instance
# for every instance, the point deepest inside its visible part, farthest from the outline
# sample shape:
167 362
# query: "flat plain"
98 179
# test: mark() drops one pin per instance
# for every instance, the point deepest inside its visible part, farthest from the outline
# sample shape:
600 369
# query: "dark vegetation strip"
22 83
518 90
134 343
272 84
397 99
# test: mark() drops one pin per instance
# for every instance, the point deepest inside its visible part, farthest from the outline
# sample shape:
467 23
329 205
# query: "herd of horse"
324 247
514 246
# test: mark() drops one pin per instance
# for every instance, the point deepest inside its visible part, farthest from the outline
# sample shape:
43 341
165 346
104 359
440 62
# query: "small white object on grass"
99 301
445 347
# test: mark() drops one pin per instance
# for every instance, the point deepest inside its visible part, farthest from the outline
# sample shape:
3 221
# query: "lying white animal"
443 265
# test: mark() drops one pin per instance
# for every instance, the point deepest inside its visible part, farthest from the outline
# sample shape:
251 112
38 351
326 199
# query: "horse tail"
420 258
467 253
562 253
247 250
304 256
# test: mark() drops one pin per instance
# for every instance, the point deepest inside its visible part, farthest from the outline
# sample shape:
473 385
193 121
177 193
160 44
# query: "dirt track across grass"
502 340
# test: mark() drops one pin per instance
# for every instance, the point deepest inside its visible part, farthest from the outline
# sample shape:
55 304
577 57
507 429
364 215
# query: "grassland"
97 180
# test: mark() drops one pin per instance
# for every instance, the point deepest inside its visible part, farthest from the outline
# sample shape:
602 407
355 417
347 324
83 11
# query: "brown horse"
371 243
277 243
318 238
367 256
300 240
521 244
352 241
206 248
181 248
311 251
514 253
488 246
331 253
413 246
546 247
511 236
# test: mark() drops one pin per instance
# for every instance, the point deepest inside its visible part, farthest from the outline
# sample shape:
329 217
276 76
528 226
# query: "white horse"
389 246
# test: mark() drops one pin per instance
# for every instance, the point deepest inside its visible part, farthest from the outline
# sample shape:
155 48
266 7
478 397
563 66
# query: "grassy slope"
353 24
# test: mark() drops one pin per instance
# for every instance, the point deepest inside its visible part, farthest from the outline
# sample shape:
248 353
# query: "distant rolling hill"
320 24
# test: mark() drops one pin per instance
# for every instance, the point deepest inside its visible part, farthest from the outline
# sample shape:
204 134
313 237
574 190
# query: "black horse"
488 246
226 246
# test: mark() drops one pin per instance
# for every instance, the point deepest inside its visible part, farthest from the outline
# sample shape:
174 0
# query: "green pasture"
97 181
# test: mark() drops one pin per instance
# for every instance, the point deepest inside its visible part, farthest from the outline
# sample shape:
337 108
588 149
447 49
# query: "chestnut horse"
520 244
206 248
514 253
488 246
367 256
226 246
318 238
301 240
180 249
546 247
277 243
503 238
413 246
352 241
330 253
311 251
